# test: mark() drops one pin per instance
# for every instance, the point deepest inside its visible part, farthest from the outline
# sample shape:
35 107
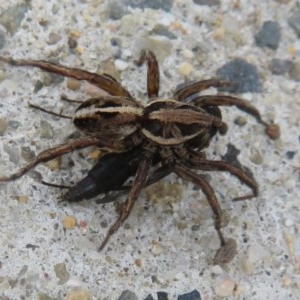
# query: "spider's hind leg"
198 180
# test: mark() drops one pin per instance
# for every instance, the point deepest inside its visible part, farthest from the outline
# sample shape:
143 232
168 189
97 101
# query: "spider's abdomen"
169 122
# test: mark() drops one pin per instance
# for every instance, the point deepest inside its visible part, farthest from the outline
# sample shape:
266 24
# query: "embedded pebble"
294 21
45 130
121 65
128 295
2 39
256 252
225 286
160 29
69 222
294 71
54 38
185 69
280 66
217 270
207 2
244 75
154 4
162 296
13 153
273 131
117 9
61 273
193 295
23 199
269 35
73 84
78 294
12 17
3 125
157 248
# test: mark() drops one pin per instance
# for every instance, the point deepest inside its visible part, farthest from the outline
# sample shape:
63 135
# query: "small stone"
160 29
121 65
78 294
243 75
162 296
217 270
43 296
69 222
23 199
128 295
157 248
273 131
117 9
193 295
257 158
45 130
241 121
13 153
280 66
269 35
225 287
207 2
12 17
294 71
154 4
3 125
2 39
185 69
54 38
73 84
54 164
294 21
61 273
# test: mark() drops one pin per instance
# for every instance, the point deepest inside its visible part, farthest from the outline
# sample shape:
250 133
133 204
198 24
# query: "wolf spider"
173 129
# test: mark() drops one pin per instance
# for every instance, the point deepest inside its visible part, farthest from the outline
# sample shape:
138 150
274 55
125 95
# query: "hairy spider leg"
60 150
219 165
50 112
138 184
198 180
225 100
152 72
199 86
104 81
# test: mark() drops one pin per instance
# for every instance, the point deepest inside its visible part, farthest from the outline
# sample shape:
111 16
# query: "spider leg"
219 165
197 179
48 111
198 86
59 150
138 183
152 72
224 100
104 81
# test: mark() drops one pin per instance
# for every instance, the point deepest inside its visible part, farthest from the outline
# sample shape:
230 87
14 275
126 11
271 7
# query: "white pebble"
121 65
225 287
185 69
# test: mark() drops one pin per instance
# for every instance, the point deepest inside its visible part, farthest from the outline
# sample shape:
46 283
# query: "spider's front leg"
152 72
60 150
104 81
138 183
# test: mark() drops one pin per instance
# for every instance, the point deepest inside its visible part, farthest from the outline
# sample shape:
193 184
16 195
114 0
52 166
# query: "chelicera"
171 129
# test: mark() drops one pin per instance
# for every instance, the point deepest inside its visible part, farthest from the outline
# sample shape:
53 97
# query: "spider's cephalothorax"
169 131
